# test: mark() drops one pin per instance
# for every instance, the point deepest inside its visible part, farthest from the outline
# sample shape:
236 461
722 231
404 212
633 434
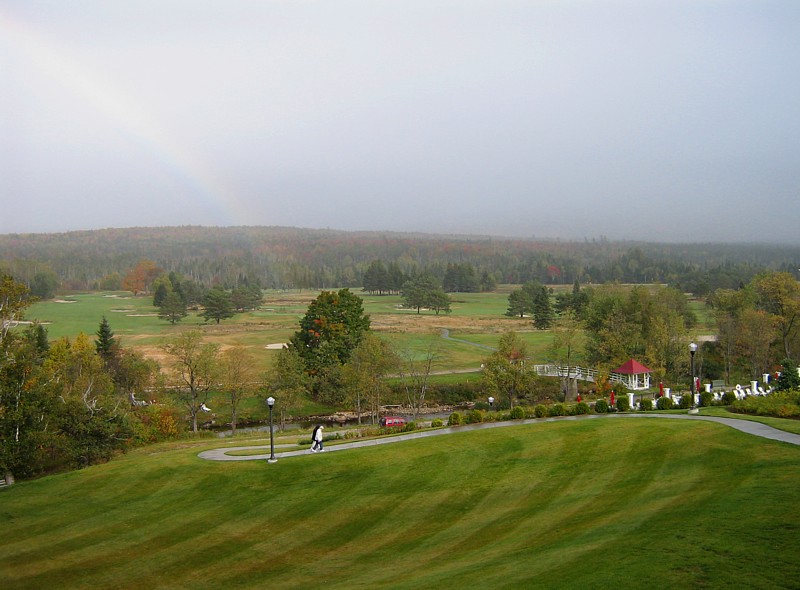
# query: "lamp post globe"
272 458
491 402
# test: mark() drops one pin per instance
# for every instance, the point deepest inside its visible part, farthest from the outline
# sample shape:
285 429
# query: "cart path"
746 426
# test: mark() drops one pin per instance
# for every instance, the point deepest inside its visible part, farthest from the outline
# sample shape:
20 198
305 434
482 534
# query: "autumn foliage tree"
141 276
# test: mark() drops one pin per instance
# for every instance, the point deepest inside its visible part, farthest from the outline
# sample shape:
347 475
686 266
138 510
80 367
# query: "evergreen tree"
36 335
44 285
487 282
218 305
789 378
173 308
160 295
543 315
376 278
247 297
519 303
105 342
397 277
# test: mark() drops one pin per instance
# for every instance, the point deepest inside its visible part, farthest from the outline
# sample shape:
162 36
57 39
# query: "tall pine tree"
105 342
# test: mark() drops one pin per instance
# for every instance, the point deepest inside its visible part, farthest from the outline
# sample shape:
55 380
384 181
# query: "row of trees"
174 295
286 257
387 278
424 292
533 299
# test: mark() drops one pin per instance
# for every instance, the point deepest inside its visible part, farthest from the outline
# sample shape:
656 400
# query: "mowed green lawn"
577 504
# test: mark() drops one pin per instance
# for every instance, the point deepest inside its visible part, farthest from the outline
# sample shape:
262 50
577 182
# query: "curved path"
747 426
445 333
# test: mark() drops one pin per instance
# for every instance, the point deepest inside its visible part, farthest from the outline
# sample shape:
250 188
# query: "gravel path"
747 426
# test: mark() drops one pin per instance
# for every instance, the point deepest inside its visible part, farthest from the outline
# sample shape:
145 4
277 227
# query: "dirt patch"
427 323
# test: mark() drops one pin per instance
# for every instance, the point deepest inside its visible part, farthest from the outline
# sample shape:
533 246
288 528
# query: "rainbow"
54 62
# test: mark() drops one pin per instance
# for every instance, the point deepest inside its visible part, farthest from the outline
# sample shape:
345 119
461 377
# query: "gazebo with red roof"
633 374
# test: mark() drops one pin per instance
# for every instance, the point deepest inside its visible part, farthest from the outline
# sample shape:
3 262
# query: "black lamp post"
272 459
692 350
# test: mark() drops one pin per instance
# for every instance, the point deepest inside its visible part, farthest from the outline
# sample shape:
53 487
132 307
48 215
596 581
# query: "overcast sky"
668 120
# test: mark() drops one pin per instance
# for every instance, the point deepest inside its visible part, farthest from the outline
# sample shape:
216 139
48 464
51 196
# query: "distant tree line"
322 259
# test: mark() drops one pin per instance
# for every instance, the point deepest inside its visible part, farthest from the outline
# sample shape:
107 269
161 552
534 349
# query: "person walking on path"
316 439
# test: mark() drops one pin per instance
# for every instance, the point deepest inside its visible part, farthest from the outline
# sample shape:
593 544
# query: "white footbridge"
633 382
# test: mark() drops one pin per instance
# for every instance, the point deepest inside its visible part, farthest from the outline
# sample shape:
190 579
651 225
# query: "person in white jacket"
316 439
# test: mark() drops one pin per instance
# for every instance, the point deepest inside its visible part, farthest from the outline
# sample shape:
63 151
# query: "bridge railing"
580 373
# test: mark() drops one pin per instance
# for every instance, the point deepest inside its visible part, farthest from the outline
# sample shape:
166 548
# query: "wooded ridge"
287 257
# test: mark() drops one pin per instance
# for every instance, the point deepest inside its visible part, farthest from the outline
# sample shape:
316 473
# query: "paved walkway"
747 426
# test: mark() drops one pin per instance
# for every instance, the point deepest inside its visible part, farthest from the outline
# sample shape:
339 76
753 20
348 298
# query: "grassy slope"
592 504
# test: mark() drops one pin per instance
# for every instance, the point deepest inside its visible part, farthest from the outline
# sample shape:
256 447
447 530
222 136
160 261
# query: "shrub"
454 419
517 413
474 417
664 403
437 423
646 404
540 411
410 427
581 408
557 410
623 405
728 398
787 411
686 401
706 398
780 404
601 406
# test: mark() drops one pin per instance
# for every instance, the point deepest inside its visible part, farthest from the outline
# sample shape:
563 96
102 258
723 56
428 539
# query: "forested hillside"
282 257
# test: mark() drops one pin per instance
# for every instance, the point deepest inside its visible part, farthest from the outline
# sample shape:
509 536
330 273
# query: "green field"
574 504
476 317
